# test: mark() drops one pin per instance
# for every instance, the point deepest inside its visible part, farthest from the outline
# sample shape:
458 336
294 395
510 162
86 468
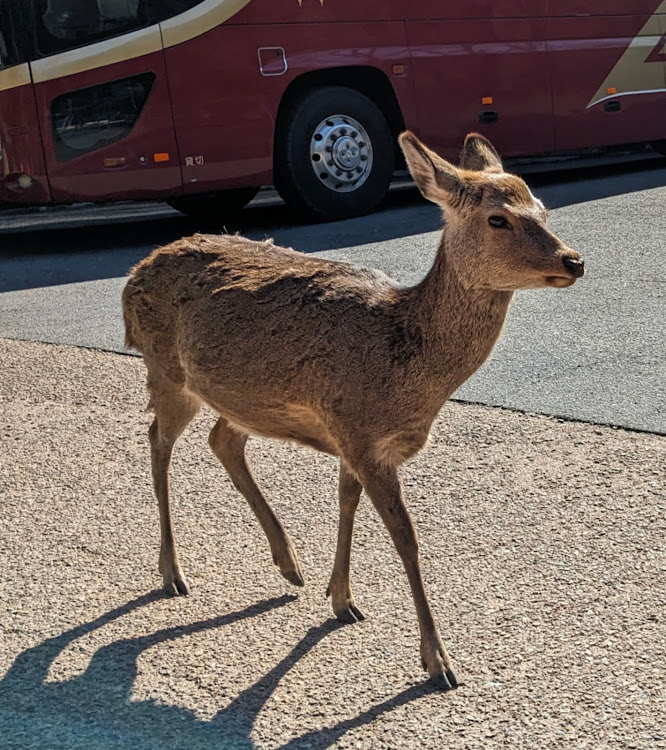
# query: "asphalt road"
595 352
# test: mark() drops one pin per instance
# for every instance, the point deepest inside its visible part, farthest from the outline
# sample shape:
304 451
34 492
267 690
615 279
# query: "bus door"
103 101
482 66
22 170
608 65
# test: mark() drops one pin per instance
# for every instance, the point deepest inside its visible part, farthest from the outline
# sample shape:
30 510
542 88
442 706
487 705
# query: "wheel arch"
366 79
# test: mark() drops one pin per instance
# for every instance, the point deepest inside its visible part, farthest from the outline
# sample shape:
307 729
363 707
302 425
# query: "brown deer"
339 358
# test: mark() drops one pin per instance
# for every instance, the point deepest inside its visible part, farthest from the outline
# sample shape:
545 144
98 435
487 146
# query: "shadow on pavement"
48 256
94 710
571 186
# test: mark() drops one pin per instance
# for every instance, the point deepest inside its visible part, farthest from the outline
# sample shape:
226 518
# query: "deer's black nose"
574 267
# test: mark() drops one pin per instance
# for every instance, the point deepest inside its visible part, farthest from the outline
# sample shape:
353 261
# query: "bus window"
66 24
11 35
159 10
5 60
88 119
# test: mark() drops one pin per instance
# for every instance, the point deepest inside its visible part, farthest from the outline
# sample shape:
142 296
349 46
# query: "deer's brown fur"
339 358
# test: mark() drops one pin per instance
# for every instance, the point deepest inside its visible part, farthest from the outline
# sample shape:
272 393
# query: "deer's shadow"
93 710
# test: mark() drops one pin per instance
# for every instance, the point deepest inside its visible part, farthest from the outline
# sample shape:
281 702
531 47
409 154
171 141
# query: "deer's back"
244 322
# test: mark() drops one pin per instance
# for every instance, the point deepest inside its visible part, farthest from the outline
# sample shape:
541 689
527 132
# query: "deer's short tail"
132 334
130 338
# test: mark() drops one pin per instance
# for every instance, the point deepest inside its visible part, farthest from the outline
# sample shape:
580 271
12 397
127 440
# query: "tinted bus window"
11 35
159 10
65 24
88 119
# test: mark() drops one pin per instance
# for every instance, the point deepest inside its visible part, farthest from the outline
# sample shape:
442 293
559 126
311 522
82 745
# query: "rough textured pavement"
542 548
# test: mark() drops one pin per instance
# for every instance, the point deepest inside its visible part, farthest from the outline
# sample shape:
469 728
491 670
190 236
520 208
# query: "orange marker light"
398 70
161 157
611 90
487 100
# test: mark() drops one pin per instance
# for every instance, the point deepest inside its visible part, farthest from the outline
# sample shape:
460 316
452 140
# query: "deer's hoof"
350 614
294 576
289 566
177 586
344 606
445 680
437 663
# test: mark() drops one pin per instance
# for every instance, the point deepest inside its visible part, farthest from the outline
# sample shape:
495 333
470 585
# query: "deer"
336 357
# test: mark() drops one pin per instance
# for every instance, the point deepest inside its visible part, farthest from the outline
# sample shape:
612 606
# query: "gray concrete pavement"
594 352
542 547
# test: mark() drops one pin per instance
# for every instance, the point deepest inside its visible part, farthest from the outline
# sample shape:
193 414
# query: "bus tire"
214 207
334 153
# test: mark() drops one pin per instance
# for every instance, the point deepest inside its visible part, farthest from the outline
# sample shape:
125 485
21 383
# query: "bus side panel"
318 11
596 8
600 64
20 143
467 73
146 161
224 107
329 11
661 49
472 9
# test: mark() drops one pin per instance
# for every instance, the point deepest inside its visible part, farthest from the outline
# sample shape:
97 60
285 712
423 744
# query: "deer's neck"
458 326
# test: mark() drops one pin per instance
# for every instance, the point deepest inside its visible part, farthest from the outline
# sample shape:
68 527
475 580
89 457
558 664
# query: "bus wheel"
214 207
334 153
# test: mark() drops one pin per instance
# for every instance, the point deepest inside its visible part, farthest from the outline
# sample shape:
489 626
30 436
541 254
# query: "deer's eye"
498 222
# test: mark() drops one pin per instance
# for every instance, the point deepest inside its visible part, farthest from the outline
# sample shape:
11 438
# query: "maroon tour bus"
200 102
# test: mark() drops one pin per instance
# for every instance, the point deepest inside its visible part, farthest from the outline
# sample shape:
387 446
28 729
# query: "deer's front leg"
383 486
339 588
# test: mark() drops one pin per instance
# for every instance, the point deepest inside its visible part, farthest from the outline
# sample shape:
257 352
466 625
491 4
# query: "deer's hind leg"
228 445
174 408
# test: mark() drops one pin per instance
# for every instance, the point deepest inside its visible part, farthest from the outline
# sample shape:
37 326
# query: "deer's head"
497 235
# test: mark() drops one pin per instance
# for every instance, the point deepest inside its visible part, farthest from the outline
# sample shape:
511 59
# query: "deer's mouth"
560 281
573 267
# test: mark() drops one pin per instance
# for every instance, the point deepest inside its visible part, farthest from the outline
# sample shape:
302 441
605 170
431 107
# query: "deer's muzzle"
574 266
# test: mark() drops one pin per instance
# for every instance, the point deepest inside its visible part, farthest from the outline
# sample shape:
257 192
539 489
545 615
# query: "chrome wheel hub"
341 153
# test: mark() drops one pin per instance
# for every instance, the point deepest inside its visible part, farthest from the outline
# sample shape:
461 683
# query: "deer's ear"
480 155
438 181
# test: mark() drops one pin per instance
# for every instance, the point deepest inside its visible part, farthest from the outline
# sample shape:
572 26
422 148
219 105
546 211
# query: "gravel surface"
542 547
